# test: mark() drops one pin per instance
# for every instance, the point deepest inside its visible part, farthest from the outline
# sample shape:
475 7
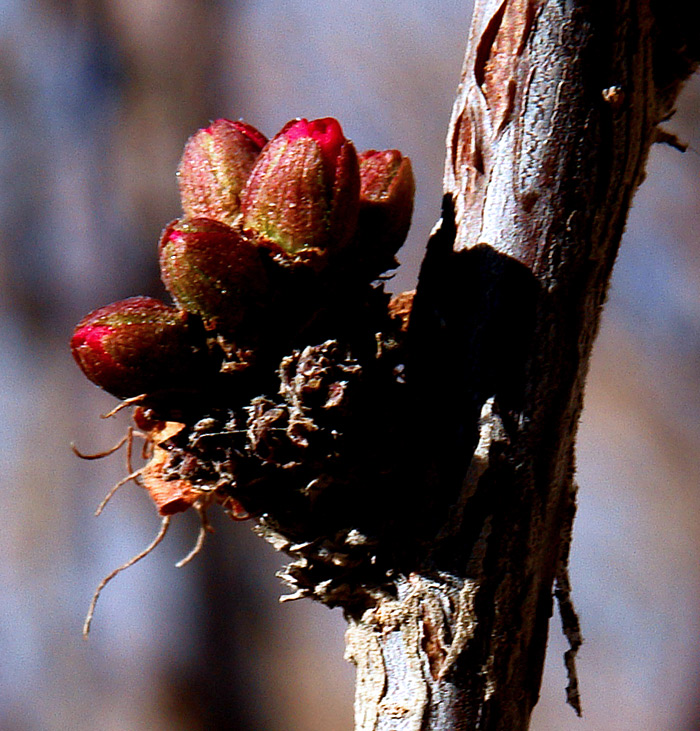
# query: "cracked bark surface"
558 105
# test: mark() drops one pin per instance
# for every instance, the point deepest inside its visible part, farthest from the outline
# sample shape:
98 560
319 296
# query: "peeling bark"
557 108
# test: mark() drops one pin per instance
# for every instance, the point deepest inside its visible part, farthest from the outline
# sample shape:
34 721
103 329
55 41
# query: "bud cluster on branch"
262 220
281 334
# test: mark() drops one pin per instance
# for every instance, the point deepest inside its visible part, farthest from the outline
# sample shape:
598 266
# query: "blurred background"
97 98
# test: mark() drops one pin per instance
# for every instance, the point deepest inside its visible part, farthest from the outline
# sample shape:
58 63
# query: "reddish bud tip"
326 132
303 191
215 166
220 127
139 345
384 174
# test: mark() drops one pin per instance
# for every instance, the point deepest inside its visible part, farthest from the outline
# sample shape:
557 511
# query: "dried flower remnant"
268 387
169 496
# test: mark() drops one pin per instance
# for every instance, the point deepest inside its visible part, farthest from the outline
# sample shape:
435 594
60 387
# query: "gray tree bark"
559 103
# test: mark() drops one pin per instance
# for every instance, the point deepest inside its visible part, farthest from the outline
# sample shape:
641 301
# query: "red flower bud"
304 189
212 271
214 168
386 200
139 345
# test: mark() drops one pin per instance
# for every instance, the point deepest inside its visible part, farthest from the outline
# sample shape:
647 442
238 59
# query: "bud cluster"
272 386
270 228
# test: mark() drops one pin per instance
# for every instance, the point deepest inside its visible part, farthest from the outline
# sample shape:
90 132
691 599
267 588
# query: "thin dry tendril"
106 453
204 528
147 451
110 494
123 404
93 603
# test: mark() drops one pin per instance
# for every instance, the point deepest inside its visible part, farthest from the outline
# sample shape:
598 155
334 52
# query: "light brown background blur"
96 101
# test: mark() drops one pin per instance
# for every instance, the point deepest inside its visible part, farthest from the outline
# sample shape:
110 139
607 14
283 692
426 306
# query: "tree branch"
557 108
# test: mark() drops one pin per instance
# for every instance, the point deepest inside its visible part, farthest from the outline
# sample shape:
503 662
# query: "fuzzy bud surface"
134 346
212 271
214 168
386 199
303 191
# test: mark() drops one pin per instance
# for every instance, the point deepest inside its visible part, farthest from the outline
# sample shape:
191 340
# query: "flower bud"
138 345
214 168
303 192
386 201
212 271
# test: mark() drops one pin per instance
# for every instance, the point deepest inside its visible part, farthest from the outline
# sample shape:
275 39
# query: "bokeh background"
97 98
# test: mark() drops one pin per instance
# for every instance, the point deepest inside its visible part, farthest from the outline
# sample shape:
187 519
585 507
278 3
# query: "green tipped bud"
303 192
214 168
139 345
212 271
